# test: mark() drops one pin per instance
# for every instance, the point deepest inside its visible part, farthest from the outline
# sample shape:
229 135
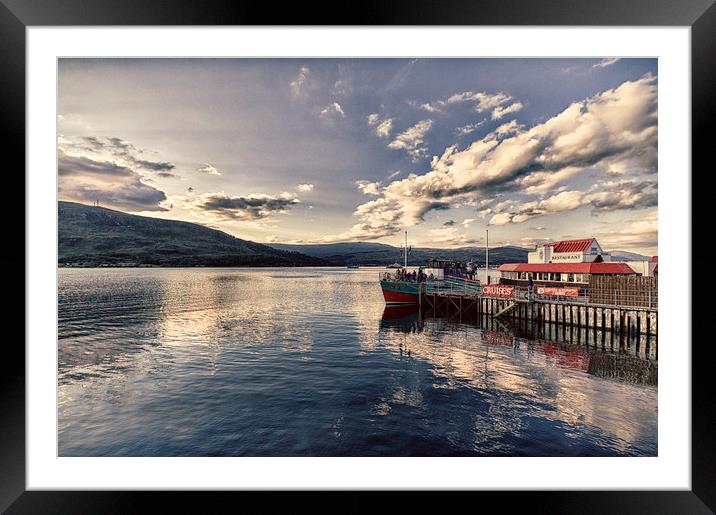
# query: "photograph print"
357 257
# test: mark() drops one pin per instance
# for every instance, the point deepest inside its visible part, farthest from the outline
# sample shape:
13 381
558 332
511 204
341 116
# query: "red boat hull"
400 293
396 297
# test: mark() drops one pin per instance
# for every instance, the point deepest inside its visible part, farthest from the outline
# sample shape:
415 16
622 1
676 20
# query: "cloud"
383 127
506 129
449 237
482 101
83 179
606 62
625 194
341 88
561 202
368 187
394 174
468 129
610 196
638 233
412 140
304 188
615 127
116 150
467 222
500 111
302 83
332 112
208 169
257 206
161 167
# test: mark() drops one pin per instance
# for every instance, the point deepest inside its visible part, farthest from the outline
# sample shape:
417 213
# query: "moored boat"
404 286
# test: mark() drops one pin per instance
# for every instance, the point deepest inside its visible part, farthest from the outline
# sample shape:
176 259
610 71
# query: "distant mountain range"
382 254
95 236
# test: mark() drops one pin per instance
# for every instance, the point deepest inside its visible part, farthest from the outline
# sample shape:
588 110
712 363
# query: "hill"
623 255
96 236
381 254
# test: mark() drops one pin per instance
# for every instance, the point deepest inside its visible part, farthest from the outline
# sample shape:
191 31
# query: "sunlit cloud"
301 84
614 126
412 140
382 126
208 169
368 187
606 62
500 111
332 112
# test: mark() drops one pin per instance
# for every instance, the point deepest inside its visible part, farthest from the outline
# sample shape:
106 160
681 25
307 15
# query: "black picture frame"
17 15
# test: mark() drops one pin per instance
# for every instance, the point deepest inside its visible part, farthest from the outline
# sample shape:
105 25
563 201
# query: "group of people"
402 274
468 271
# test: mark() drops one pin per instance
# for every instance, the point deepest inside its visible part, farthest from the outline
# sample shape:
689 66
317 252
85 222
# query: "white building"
569 251
646 268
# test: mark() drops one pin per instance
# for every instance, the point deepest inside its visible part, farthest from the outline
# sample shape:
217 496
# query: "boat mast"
487 249
406 249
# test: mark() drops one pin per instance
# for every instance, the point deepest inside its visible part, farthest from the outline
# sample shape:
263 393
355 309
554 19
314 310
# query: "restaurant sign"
498 290
558 292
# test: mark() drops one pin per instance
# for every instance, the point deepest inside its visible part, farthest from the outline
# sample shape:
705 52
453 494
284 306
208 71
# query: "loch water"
310 362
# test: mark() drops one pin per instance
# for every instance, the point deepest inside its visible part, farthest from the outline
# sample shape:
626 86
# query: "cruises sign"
498 290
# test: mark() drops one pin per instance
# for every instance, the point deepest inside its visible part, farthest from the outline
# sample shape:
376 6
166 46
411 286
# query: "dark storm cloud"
85 180
122 150
252 207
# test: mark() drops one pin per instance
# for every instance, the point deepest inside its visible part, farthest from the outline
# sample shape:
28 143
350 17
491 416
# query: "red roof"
654 259
569 268
570 245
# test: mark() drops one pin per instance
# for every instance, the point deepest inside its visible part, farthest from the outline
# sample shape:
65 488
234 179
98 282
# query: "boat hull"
398 292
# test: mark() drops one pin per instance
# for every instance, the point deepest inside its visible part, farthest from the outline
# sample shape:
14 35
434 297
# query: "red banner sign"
498 290
558 292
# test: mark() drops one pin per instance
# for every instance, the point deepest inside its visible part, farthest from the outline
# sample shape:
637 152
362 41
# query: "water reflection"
570 348
309 362
548 378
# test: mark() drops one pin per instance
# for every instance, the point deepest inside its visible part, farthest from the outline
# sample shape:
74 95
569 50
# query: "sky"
332 150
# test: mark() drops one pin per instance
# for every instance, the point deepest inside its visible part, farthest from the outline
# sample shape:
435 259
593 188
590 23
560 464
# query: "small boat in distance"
394 265
352 266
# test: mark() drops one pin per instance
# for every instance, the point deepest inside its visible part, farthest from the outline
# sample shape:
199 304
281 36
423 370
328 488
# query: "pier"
633 317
